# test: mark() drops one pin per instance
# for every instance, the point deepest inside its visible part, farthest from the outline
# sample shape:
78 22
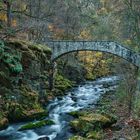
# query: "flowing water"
81 97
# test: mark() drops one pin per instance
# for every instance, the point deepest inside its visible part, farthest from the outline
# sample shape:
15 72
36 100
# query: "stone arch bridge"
60 48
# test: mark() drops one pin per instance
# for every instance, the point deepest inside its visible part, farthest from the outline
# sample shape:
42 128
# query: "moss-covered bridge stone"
60 48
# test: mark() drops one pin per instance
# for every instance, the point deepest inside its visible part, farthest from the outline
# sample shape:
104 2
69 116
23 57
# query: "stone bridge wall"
60 48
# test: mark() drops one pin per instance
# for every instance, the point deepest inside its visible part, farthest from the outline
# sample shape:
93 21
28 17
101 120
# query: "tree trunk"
8 14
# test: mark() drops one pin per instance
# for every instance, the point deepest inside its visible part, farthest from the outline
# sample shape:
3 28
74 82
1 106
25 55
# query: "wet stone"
44 138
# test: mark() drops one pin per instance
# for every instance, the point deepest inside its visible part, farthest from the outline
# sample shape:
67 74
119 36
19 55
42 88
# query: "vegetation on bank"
106 121
62 84
122 105
90 125
24 73
3 123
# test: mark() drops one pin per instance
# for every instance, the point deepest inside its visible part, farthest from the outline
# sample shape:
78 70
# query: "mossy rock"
3 123
90 76
93 117
96 135
19 101
81 127
34 125
62 83
27 108
37 115
5 80
28 50
90 121
98 120
57 92
12 60
18 44
15 112
1 44
20 114
77 138
24 45
76 114
40 48
113 119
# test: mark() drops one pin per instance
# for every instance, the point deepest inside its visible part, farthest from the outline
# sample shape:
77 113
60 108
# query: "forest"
82 94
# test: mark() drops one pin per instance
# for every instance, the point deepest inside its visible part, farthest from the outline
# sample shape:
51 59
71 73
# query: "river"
83 96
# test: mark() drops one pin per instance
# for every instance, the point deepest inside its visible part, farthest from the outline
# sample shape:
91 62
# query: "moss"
99 120
30 49
12 60
113 118
81 127
90 76
24 45
32 115
95 117
3 123
28 94
40 48
25 106
96 135
1 44
18 113
89 121
62 83
36 125
76 114
17 44
19 100
77 138
5 80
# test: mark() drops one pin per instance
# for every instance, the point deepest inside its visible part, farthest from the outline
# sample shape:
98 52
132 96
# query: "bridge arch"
60 48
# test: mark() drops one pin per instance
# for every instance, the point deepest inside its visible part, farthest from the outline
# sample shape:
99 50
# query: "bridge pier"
52 73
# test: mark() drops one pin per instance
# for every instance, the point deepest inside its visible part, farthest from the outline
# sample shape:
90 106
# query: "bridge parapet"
60 48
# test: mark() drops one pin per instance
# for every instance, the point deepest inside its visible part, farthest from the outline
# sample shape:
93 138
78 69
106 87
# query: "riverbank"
25 70
81 97
24 95
24 81
120 130
109 105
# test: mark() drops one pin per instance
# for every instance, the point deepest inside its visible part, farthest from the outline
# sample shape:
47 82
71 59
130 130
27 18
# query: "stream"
83 96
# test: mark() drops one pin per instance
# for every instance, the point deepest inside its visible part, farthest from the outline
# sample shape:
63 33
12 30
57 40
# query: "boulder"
88 122
33 125
3 123
76 114
19 114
